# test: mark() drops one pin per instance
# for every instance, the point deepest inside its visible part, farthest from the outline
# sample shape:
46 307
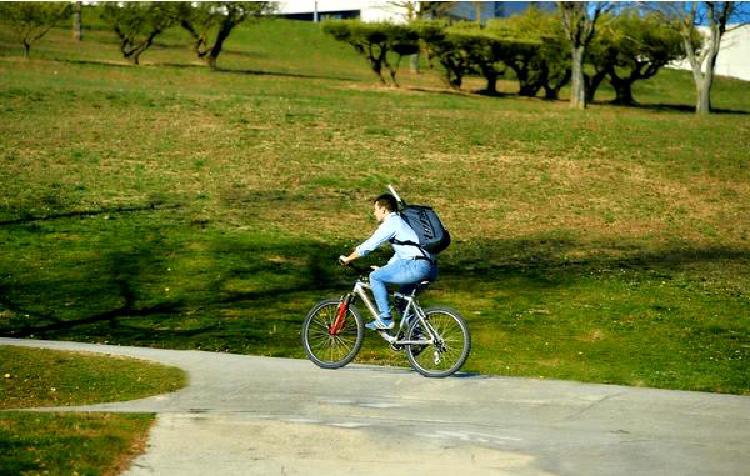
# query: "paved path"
244 415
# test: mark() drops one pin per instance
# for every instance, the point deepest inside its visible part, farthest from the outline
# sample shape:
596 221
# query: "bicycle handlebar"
359 269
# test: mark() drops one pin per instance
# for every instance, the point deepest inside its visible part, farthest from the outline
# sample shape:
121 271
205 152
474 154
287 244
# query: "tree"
403 41
210 23
579 22
375 41
30 21
448 47
535 48
473 49
418 12
434 10
77 33
643 44
137 24
702 55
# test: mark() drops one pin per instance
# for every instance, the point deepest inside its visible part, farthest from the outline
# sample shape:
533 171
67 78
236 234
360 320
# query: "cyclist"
409 265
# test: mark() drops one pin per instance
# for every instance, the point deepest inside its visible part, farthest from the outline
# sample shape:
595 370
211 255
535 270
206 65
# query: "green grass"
64 444
35 378
74 443
170 206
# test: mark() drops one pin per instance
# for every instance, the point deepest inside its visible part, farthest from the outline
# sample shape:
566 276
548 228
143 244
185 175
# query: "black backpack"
433 237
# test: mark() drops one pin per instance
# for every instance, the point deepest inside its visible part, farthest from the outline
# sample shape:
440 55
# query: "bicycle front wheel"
451 347
332 351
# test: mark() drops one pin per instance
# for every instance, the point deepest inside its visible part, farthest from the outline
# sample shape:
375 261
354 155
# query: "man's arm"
383 233
348 259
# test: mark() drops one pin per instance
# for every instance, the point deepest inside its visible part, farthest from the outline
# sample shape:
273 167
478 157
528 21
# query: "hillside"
173 206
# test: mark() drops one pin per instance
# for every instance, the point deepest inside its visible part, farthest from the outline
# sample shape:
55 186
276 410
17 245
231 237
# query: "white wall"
734 55
370 10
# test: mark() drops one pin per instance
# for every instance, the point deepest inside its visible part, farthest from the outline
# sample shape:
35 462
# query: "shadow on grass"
682 108
217 292
254 72
88 213
250 72
126 296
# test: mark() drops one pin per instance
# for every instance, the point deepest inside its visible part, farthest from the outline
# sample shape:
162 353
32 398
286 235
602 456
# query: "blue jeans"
406 273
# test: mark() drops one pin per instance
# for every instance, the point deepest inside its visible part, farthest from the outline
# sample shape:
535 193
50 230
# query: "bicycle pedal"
385 335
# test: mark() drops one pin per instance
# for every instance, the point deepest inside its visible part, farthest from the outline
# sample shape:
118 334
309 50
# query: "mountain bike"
436 339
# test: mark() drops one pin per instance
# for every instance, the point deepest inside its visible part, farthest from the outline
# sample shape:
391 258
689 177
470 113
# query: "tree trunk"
577 88
393 69
491 88
224 31
414 63
591 85
703 86
551 93
704 79
26 50
528 89
77 34
623 92
552 88
376 61
702 97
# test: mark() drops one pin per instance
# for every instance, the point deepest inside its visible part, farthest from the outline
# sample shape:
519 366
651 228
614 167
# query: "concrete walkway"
244 415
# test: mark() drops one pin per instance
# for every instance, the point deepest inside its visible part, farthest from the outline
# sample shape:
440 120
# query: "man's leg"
378 281
400 272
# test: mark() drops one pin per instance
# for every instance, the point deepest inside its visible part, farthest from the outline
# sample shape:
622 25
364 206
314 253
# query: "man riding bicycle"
409 265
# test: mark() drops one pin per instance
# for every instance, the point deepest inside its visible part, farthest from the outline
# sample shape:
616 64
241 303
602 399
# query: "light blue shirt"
393 227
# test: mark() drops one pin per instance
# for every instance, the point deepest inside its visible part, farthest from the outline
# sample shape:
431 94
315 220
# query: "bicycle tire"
326 351
447 355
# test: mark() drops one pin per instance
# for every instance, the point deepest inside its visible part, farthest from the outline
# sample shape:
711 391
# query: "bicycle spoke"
450 348
329 350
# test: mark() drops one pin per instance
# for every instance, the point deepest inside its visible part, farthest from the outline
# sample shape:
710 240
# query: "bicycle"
436 340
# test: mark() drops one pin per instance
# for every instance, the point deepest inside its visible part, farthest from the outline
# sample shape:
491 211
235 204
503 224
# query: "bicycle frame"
361 288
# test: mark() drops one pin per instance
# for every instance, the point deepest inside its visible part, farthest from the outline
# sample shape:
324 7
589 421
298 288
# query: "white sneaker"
380 325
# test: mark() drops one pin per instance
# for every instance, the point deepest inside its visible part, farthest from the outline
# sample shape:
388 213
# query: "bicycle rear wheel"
452 343
332 351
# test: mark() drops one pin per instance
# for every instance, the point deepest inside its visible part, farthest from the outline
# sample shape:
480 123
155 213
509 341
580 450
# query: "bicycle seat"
421 286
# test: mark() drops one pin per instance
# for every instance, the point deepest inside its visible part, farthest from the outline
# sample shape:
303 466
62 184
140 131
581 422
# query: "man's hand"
345 260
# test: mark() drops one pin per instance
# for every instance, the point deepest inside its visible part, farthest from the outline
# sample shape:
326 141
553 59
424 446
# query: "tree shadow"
117 286
113 64
682 108
26 219
119 298
493 94
249 295
248 72
257 72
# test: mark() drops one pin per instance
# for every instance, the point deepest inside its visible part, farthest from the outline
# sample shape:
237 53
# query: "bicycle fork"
335 328
338 323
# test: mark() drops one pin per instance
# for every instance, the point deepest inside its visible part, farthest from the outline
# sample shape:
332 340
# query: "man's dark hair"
388 201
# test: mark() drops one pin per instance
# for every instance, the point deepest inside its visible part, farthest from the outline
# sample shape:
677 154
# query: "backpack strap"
426 256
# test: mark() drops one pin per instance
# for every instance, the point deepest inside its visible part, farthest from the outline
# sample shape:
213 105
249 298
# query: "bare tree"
579 21
702 54
210 23
77 34
137 24
30 21
418 11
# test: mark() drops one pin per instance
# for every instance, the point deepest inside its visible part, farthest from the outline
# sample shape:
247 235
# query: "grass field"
73 443
171 206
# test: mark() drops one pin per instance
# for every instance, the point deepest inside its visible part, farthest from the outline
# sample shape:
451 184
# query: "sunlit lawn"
73 443
172 206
